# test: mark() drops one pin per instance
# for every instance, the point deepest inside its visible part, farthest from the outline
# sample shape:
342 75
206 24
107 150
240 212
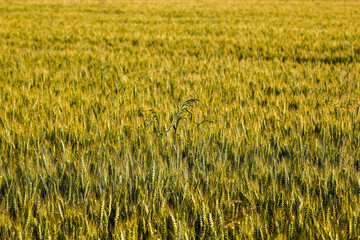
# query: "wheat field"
179 119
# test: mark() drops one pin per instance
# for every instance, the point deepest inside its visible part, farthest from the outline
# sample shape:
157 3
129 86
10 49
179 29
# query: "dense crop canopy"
179 119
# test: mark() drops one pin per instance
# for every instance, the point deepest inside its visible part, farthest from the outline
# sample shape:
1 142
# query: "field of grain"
179 119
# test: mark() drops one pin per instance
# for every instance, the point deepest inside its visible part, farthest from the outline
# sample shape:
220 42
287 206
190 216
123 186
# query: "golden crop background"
179 120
